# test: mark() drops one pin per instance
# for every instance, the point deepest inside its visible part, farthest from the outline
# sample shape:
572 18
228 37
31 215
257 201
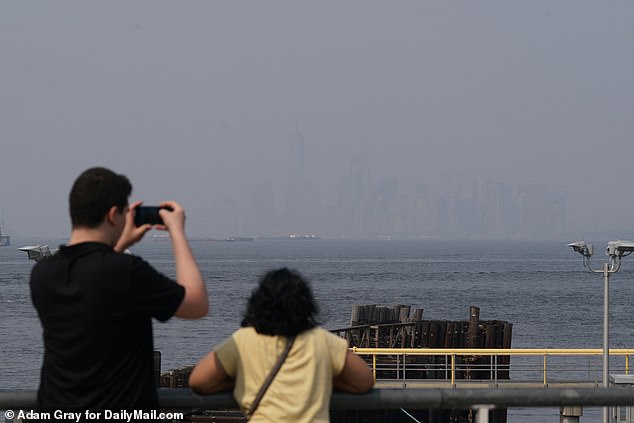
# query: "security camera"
37 252
619 248
582 248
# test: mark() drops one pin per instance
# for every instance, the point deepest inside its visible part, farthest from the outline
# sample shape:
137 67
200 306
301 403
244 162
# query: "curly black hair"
282 304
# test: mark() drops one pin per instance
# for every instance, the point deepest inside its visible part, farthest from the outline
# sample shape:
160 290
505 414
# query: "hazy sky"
196 100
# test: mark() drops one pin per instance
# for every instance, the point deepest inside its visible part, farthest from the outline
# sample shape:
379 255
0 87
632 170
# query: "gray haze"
345 118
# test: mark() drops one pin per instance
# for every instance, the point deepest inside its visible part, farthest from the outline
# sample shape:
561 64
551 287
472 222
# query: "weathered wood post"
570 414
355 315
473 332
403 316
418 314
473 338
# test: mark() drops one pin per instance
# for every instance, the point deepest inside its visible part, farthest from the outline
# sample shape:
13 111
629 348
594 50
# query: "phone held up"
148 214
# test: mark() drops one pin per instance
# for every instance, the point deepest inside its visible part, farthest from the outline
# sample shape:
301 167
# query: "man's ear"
111 216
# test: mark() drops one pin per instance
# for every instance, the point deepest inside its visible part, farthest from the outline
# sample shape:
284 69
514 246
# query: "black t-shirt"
96 308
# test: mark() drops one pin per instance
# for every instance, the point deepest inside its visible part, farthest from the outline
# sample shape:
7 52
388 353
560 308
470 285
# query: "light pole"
615 251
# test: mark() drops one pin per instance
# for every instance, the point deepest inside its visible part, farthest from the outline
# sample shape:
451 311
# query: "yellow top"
302 388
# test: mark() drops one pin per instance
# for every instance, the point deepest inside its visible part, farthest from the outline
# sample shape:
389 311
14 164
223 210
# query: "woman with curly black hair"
281 315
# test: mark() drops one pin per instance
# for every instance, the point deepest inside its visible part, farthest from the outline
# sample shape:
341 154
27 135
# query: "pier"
401 326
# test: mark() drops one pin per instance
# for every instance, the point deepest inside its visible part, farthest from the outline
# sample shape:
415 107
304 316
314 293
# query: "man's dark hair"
282 304
94 192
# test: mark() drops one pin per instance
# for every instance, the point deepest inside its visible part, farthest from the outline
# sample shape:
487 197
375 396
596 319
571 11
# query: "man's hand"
131 233
173 216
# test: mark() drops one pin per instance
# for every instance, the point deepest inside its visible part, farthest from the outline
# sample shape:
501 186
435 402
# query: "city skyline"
370 206
289 114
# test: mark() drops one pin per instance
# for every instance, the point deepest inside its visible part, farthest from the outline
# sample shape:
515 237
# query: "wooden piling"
473 332
418 315
570 414
355 316
404 314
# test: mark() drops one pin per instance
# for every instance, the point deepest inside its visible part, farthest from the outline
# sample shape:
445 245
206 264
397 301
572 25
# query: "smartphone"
148 214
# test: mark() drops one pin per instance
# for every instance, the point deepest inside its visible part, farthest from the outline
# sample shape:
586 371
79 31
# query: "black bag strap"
270 377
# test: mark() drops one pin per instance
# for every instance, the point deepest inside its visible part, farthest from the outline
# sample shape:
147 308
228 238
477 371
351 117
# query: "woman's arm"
208 376
355 377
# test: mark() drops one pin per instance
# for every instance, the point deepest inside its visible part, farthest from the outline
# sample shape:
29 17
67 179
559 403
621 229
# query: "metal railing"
480 399
403 363
531 365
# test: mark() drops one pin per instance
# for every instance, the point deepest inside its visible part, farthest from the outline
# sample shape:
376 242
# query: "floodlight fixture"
582 248
37 252
619 248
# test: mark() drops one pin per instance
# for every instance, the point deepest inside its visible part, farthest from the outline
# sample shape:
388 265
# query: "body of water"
540 287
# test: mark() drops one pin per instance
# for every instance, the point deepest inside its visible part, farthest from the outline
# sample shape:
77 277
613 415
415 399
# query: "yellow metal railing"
452 365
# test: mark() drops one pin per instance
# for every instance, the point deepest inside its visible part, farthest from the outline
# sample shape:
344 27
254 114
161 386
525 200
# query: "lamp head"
582 248
619 248
37 252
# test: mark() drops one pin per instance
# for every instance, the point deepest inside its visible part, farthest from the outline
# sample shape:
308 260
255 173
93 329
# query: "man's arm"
195 304
355 377
209 376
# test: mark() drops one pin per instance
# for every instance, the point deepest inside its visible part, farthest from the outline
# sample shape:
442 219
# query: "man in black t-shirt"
96 303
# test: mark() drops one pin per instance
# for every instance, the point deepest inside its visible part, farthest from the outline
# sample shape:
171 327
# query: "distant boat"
289 236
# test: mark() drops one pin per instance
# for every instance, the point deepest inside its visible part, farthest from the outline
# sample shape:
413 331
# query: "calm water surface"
540 287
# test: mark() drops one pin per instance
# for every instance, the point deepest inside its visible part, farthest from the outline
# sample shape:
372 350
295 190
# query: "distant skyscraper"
297 159
347 219
421 220
299 215
555 219
498 209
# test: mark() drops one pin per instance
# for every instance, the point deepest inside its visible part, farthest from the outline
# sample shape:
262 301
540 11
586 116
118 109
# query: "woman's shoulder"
245 332
325 336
